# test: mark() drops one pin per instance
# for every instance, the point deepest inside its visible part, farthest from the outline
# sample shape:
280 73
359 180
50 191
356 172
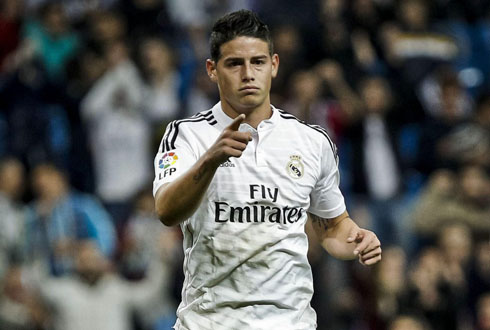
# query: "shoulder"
203 118
309 131
188 128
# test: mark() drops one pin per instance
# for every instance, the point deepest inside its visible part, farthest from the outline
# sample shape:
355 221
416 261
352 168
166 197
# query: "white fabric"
381 171
252 272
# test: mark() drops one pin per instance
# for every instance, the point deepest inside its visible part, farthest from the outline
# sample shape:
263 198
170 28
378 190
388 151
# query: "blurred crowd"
87 88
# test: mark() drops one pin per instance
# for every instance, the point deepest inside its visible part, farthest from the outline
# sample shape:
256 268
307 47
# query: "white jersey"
245 247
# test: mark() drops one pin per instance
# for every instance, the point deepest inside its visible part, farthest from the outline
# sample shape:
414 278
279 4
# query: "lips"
249 88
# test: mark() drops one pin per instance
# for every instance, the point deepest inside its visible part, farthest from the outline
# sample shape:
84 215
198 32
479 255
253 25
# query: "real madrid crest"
295 167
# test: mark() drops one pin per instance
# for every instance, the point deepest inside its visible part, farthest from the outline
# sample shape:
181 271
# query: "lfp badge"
167 160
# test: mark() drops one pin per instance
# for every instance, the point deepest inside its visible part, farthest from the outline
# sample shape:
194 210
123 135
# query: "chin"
250 101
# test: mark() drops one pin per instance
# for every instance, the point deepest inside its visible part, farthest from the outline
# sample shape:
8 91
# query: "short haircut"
241 23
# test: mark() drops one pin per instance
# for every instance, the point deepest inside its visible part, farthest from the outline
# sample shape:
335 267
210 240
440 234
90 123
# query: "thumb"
236 122
353 235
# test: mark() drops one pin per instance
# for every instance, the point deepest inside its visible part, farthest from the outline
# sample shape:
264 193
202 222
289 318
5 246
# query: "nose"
247 72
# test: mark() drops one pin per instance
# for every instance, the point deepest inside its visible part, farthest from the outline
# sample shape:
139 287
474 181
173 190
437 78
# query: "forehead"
244 47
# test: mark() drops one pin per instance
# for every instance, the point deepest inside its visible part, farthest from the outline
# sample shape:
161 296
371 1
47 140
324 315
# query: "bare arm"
178 200
343 239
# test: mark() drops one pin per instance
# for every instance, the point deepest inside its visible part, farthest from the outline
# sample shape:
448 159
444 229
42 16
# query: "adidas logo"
228 163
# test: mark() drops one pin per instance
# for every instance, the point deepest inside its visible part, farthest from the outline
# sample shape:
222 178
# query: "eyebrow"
258 57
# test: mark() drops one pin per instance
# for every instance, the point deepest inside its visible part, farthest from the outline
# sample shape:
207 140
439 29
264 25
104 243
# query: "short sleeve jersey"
245 246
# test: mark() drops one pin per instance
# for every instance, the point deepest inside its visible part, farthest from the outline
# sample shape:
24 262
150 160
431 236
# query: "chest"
277 168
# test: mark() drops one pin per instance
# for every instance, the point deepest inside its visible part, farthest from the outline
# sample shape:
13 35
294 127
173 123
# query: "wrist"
208 162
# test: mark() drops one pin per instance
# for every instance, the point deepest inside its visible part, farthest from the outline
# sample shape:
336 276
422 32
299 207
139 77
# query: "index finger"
363 244
236 122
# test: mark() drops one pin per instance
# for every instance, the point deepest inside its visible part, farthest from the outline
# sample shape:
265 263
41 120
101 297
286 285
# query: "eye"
233 63
259 61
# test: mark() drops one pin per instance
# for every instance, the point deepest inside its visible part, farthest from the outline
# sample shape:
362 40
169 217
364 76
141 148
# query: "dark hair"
237 24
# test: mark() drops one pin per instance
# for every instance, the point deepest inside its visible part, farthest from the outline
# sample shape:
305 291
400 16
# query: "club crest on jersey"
295 167
167 160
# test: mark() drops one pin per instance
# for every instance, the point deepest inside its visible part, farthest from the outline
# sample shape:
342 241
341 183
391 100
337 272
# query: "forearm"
178 200
333 235
335 242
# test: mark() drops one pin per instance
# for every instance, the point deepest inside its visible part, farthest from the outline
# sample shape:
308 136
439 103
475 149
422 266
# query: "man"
241 180
94 297
58 216
12 211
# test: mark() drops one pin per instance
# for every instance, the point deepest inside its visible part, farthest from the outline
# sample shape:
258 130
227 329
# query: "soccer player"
242 179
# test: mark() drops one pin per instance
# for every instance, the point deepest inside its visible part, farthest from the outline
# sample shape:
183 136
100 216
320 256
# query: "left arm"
343 239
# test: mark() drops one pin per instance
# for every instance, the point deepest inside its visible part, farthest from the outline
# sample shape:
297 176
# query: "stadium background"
87 88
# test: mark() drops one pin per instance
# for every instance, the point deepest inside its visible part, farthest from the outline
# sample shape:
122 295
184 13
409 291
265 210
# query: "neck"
253 115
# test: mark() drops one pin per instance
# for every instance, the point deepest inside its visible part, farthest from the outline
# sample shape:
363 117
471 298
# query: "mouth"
249 89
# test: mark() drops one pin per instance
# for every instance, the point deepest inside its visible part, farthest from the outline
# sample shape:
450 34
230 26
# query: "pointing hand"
231 142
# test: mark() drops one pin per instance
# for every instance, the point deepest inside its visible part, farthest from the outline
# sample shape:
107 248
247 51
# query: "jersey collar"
224 120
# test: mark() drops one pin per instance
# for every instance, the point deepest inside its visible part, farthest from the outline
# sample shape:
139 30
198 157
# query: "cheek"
227 83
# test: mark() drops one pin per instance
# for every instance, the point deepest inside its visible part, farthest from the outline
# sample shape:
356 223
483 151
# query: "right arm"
178 200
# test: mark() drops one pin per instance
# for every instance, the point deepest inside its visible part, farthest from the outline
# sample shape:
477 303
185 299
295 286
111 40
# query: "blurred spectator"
161 90
305 96
366 15
455 243
287 42
193 19
73 8
58 217
105 27
390 283
469 143
483 312
199 13
118 132
428 294
202 94
145 241
94 297
449 198
52 40
147 17
10 28
413 74
365 55
376 165
12 212
76 10
442 94
479 272
433 145
349 107
37 125
408 322
308 100
335 38
19 309
412 46
84 71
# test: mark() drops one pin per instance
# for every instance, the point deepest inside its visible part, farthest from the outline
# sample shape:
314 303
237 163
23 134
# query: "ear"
211 70
275 65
